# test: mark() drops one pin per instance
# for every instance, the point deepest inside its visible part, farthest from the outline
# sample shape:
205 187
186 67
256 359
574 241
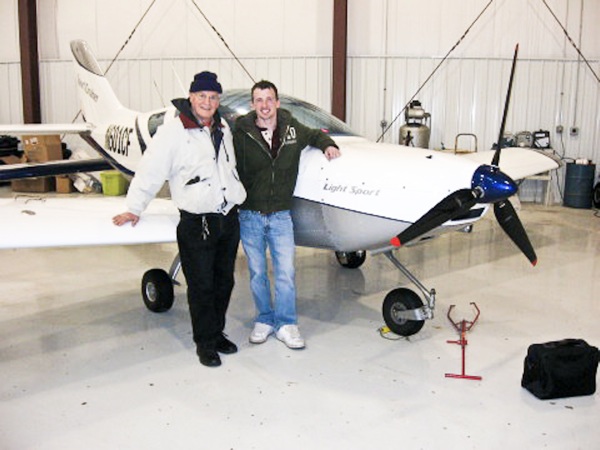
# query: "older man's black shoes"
210 356
225 346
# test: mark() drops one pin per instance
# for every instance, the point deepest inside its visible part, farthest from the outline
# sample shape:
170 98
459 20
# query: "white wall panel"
176 28
432 27
9 24
11 103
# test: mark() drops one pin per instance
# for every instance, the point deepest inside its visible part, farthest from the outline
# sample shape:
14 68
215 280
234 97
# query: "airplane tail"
96 96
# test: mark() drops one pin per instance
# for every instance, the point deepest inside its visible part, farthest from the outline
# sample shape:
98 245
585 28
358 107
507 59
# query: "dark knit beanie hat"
206 81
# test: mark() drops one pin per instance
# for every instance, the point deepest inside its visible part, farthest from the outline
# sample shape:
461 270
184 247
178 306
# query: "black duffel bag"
560 369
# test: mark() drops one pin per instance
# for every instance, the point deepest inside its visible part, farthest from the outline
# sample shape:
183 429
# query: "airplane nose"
492 184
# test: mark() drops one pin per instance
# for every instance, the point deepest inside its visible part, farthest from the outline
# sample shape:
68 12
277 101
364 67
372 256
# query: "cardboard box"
34 140
39 149
45 184
64 184
42 148
10 159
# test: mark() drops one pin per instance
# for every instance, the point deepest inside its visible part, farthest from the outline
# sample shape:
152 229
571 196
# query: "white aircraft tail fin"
96 96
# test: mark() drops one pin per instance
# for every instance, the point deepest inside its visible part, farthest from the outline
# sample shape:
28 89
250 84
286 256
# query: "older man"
195 154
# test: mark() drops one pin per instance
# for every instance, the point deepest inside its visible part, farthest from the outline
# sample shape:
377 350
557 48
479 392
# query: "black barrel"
578 185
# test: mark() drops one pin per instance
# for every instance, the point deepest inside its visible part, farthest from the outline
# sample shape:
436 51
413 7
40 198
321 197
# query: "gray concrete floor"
85 365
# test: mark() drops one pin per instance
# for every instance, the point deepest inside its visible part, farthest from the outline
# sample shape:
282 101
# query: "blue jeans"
274 231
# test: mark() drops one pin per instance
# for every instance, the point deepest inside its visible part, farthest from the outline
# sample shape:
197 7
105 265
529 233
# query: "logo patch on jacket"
290 136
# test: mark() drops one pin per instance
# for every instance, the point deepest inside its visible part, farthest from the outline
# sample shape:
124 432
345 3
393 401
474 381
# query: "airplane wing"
29 221
518 162
45 128
52 168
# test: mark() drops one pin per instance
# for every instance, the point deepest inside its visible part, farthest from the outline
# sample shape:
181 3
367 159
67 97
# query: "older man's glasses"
203 97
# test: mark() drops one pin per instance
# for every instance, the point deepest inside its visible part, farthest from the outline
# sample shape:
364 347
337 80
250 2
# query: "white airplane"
374 198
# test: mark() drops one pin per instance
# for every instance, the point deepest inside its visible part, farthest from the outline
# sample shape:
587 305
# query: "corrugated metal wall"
11 104
468 95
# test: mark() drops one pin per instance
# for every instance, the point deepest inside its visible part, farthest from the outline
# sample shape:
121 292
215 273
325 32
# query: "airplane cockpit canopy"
235 103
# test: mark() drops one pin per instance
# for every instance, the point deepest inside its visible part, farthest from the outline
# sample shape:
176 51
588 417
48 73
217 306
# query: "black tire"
157 290
596 196
351 260
401 299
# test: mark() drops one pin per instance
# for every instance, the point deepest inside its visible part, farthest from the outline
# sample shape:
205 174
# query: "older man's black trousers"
208 245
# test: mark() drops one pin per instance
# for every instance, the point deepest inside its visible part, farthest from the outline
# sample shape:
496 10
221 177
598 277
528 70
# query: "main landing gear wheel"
351 260
157 290
398 300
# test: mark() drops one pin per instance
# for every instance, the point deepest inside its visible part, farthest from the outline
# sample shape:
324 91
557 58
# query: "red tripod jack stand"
462 328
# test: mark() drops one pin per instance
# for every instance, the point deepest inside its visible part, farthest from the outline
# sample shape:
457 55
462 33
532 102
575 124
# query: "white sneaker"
290 336
260 333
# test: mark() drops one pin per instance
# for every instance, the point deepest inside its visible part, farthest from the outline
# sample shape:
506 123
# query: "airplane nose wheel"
403 310
395 303
157 290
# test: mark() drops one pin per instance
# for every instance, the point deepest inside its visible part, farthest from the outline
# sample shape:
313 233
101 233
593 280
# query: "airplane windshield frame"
235 103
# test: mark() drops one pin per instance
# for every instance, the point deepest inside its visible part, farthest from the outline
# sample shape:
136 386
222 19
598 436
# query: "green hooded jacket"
270 182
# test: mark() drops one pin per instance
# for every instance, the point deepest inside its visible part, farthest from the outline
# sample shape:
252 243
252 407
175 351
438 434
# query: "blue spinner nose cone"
494 184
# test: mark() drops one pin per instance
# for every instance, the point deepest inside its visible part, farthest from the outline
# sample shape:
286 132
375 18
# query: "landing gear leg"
157 287
403 311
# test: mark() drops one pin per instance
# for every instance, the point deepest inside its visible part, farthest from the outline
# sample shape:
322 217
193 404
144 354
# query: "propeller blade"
496 159
503 210
510 223
454 205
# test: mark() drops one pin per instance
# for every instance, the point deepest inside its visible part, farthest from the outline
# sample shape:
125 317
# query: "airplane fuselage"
378 188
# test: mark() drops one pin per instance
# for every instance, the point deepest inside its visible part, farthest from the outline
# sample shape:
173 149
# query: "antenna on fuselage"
162 100
184 91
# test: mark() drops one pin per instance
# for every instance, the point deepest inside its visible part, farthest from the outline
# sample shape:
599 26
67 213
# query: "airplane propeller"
509 221
488 185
